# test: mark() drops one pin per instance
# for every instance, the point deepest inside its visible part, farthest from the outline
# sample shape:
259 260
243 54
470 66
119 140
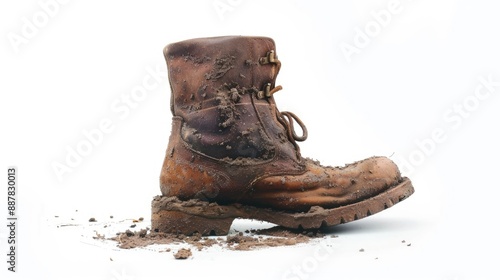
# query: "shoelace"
285 118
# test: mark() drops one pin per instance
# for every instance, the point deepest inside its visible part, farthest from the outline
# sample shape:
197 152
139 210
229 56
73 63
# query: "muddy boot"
233 154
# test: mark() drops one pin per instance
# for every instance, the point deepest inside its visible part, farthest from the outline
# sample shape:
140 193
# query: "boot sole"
171 215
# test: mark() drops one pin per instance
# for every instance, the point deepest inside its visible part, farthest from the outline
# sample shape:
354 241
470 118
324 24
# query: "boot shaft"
198 68
221 89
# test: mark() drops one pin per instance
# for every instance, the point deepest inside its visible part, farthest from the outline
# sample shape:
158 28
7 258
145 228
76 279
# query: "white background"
66 67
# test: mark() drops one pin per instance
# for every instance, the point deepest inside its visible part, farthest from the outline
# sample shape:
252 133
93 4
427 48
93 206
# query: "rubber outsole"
171 215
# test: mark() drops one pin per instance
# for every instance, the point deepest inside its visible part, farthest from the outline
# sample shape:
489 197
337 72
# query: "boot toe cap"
381 169
327 187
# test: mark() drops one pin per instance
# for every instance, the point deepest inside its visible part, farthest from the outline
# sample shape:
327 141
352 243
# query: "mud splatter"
252 239
221 66
227 97
196 60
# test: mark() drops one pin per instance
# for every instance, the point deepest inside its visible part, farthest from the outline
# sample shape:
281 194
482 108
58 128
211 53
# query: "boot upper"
230 143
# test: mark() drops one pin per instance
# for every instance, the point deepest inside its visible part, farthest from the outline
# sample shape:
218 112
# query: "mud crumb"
183 254
98 235
92 220
361 250
143 233
316 209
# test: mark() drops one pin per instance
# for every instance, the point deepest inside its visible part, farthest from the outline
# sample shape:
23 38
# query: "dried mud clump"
183 254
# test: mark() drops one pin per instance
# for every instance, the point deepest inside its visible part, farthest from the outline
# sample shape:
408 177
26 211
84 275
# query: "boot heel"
170 215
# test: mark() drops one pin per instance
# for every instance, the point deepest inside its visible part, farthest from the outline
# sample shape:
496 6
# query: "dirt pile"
243 241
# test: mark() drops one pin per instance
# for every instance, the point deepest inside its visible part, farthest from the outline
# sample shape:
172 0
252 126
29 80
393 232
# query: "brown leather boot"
233 154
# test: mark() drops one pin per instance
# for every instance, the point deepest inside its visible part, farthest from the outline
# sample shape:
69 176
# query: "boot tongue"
285 118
